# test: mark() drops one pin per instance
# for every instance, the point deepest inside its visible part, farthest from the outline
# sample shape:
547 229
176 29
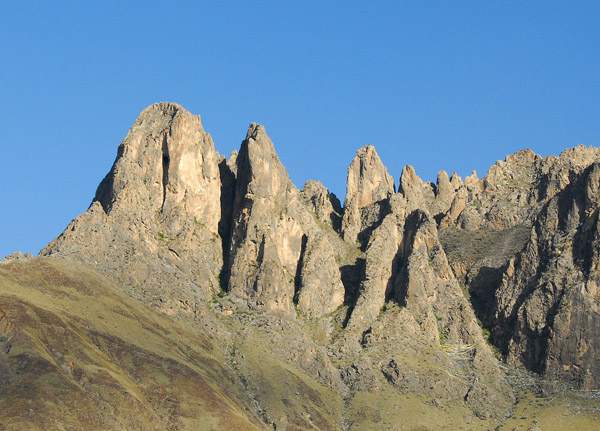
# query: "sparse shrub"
443 339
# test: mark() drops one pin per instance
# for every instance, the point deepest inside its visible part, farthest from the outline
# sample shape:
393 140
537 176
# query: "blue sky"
438 85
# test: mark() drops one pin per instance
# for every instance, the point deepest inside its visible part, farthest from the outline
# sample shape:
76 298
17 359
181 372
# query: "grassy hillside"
76 353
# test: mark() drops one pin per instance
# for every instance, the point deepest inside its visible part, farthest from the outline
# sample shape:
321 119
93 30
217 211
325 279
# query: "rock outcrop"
514 190
368 187
517 275
374 299
437 199
325 205
275 240
154 222
547 307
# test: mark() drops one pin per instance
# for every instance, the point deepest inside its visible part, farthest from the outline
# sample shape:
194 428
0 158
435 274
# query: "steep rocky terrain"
204 292
153 225
547 305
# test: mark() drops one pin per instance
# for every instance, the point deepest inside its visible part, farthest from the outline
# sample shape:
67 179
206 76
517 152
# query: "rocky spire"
326 205
275 242
368 183
154 220
444 190
416 193
167 163
174 223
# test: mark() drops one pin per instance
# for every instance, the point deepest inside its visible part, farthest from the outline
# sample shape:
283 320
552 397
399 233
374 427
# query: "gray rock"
547 314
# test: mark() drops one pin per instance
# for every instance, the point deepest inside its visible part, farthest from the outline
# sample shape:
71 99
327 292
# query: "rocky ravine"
358 305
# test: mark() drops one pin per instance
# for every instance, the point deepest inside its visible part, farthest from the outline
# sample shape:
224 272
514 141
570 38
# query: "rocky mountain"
204 292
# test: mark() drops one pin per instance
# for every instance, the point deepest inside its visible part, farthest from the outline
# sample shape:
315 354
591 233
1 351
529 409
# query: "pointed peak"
455 180
473 178
162 109
231 161
409 175
258 145
411 187
368 178
367 150
443 186
160 116
442 177
154 161
258 166
368 158
255 131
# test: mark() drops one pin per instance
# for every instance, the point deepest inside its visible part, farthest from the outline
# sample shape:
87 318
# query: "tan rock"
321 289
274 235
325 204
416 193
444 190
154 221
368 183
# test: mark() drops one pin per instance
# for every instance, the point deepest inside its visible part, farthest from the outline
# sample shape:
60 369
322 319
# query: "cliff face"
153 224
276 244
547 306
368 187
345 299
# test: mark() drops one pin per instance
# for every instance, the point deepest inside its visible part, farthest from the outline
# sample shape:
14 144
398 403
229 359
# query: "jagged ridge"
178 226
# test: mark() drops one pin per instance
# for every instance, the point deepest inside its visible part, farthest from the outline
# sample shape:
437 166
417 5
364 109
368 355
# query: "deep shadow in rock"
298 276
337 214
227 197
352 275
482 292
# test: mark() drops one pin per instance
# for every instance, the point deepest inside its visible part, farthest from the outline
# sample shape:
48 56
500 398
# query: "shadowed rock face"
406 264
388 278
547 312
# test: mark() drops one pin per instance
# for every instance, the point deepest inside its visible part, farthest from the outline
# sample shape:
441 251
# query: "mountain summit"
403 309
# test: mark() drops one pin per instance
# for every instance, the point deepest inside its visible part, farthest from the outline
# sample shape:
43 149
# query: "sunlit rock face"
154 221
368 183
276 243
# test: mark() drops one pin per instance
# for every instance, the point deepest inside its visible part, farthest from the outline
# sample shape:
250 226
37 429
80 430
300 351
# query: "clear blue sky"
438 85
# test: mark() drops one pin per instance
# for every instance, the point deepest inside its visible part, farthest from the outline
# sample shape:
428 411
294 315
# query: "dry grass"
75 353
81 355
